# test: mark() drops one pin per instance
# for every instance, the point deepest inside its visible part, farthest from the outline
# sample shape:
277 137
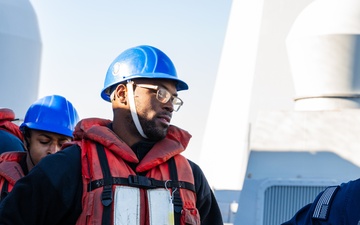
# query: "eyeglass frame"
157 88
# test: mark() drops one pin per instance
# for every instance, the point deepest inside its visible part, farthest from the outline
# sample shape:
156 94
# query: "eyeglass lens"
164 96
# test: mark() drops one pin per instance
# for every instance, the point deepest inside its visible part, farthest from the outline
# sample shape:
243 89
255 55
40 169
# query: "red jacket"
141 201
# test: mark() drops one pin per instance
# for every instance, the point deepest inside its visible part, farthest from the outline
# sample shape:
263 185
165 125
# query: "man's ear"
120 94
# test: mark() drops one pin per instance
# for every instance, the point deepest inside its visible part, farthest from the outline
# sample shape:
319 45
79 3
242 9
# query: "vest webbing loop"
107 195
178 204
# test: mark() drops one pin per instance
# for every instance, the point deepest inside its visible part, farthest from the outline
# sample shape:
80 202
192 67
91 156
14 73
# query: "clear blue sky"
80 39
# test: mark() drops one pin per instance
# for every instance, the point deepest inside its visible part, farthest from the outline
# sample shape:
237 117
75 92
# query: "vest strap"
142 182
107 195
176 198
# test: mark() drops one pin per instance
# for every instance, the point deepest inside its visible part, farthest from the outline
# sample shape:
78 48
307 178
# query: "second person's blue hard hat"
52 113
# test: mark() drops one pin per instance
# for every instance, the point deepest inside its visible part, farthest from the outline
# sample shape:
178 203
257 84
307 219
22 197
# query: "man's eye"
163 93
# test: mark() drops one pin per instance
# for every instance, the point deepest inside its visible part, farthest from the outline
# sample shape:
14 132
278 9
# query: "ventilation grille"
282 202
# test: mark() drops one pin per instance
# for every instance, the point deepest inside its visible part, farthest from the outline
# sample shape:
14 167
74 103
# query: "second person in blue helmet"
126 171
48 124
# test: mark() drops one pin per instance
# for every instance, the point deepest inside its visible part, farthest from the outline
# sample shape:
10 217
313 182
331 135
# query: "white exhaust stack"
324 53
20 55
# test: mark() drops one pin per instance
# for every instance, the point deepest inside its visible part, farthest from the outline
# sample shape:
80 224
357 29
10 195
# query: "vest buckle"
140 181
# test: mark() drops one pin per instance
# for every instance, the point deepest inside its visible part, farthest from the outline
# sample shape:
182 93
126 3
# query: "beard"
147 119
153 131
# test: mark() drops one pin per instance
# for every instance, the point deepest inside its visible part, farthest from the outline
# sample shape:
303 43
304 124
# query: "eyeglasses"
163 95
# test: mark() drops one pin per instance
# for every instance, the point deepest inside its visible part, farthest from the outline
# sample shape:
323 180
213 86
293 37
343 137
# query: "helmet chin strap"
134 114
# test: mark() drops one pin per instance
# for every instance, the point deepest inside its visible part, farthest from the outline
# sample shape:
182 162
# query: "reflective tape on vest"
127 206
161 208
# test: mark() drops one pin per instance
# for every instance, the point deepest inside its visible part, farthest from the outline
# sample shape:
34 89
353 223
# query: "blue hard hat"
52 113
140 62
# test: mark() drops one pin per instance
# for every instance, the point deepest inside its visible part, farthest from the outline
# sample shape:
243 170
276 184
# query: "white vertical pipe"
224 153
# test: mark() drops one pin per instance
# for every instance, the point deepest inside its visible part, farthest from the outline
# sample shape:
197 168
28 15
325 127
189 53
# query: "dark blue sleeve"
206 203
9 142
49 194
343 208
303 216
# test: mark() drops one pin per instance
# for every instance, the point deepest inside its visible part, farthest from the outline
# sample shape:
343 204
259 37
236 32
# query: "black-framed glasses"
163 95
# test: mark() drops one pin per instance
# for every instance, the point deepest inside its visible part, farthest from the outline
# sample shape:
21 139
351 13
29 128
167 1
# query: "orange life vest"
102 188
10 171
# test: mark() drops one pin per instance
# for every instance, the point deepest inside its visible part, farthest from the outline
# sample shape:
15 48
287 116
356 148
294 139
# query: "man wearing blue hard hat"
48 124
126 171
